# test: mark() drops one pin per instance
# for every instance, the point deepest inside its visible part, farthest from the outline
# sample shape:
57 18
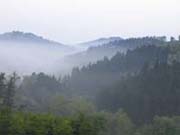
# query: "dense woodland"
133 93
109 49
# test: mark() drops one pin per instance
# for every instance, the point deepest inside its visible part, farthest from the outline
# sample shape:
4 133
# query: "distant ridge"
100 41
18 36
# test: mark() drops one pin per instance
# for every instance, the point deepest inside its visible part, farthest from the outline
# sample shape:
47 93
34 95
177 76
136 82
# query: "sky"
74 21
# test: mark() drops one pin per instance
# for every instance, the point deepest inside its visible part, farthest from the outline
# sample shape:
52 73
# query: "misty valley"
108 86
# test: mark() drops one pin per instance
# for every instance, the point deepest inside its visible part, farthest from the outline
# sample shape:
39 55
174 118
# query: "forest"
132 93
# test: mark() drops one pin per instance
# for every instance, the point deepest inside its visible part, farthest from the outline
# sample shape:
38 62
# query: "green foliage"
36 89
153 91
161 126
68 106
87 125
46 124
144 82
88 80
7 90
118 123
164 126
5 121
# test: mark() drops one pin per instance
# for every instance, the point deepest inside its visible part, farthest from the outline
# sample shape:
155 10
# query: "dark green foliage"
5 121
2 88
7 90
128 44
86 125
10 91
7 99
154 91
88 80
36 89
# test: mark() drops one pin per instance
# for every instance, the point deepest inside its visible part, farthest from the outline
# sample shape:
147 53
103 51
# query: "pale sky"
72 21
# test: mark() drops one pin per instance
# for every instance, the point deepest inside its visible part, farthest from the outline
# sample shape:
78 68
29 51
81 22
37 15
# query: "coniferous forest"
136 92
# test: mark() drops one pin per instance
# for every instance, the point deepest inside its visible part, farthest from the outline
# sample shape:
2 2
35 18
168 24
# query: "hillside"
21 37
95 53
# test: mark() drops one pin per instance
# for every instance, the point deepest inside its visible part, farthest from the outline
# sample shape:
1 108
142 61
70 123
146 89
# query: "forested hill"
109 49
89 80
154 91
136 93
107 71
131 43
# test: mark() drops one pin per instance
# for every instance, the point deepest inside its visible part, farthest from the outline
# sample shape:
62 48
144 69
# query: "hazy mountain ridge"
99 42
95 53
26 53
18 36
40 54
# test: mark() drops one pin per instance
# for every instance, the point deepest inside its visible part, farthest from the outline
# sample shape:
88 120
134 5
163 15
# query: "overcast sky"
72 21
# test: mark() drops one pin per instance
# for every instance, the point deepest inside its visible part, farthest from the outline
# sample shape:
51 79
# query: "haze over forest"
89 67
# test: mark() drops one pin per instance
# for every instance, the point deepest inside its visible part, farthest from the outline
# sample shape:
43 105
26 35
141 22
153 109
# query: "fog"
25 58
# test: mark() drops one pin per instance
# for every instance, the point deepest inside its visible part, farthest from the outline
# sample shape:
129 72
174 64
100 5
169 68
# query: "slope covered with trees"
152 92
106 72
109 49
136 93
